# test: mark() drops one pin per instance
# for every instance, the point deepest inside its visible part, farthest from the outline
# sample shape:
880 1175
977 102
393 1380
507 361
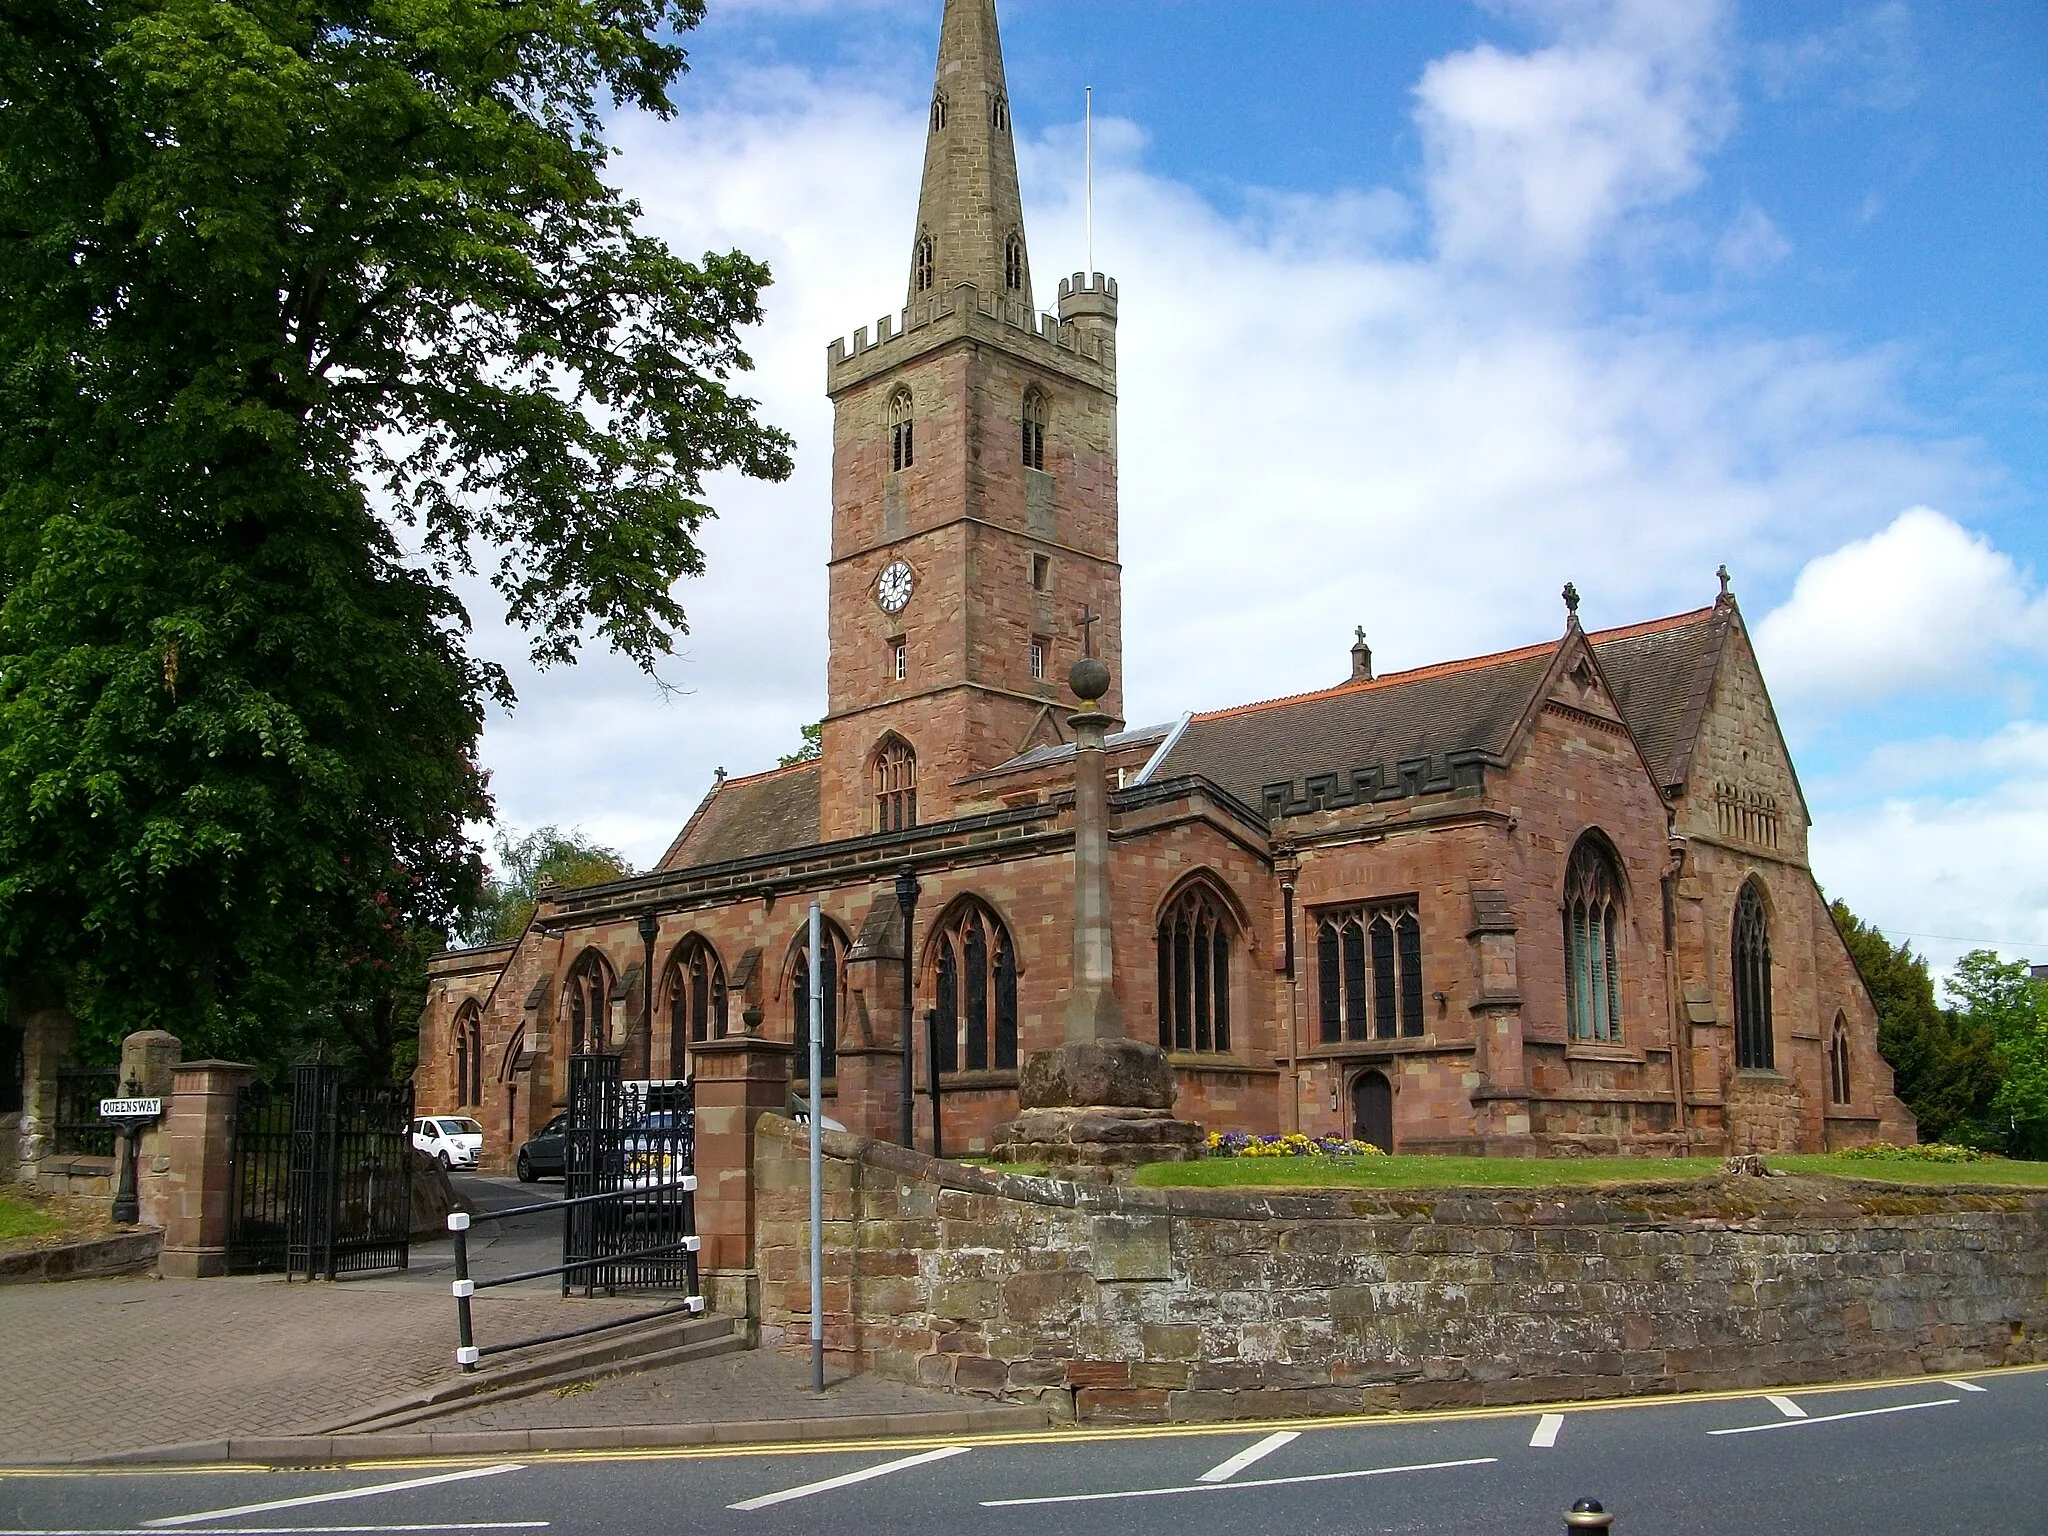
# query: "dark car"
546 1151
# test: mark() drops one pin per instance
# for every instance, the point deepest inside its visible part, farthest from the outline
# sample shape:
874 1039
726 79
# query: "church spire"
970 215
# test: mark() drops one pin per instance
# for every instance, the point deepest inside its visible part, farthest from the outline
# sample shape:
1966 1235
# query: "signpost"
130 1115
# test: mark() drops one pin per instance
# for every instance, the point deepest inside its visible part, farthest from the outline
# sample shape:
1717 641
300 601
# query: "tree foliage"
312 306
2000 999
527 866
1946 1069
812 747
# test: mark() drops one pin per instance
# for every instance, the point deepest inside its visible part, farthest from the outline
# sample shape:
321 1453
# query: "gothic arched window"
831 946
895 786
469 1055
1369 972
697 1006
975 988
1013 263
1195 936
1592 942
1752 975
902 427
999 113
938 111
924 263
1838 1062
586 999
1034 429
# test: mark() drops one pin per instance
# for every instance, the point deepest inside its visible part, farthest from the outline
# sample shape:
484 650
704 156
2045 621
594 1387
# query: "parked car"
454 1140
545 1152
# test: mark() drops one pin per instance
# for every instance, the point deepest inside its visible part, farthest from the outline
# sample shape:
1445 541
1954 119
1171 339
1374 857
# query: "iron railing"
80 1130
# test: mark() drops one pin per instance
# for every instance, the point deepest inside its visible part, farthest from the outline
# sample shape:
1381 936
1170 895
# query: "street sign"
131 1109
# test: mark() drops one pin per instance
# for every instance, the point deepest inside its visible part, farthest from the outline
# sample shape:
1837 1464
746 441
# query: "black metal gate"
638 1141
322 1180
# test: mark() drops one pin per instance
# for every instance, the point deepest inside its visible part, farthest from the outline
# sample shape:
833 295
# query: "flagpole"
1088 138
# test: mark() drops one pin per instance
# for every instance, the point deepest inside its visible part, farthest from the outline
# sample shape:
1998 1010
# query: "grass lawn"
22 1221
1545 1172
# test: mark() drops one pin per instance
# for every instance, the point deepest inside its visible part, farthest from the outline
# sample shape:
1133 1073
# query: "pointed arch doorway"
1372 1110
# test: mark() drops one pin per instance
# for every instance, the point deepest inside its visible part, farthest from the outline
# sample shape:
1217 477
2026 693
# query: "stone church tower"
974 513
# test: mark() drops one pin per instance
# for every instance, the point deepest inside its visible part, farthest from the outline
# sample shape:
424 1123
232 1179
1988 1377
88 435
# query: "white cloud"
1752 243
1921 604
1315 433
1534 157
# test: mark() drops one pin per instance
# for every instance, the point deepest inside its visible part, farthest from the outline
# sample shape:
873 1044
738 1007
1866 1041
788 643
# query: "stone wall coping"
210 1065
1725 1200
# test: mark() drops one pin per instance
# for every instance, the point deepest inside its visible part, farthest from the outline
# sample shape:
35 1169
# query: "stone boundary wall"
1111 1303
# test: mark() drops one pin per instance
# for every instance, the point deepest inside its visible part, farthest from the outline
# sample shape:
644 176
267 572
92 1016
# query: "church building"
1551 900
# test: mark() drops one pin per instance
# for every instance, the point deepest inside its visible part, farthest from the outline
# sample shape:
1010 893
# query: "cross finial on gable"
1089 619
1722 572
1361 634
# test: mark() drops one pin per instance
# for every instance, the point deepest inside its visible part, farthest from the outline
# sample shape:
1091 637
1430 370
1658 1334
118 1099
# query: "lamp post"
906 903
649 927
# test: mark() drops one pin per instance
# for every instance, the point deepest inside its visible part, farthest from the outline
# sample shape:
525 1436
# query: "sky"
1427 308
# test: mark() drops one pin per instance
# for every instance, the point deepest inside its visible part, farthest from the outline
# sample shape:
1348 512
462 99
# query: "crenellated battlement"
1080 340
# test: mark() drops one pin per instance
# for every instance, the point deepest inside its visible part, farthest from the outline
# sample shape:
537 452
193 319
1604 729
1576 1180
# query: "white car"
455 1140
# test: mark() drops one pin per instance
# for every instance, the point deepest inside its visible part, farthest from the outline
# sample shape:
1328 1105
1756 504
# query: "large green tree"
308 308
526 866
1946 1069
2001 999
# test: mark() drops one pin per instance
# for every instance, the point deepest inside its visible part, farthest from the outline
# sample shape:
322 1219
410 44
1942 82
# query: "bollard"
465 1354
1587 1515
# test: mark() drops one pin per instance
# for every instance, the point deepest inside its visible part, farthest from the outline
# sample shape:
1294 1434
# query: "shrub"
1925 1152
1293 1144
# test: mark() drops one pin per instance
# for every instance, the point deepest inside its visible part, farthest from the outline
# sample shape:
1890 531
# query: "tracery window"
1034 429
586 998
939 105
1838 1062
1013 263
1592 942
1195 936
469 1055
999 113
830 947
895 786
1752 974
923 263
975 988
697 1005
902 429
1369 972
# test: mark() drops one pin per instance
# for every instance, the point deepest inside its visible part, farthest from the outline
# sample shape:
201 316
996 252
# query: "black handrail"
468 1352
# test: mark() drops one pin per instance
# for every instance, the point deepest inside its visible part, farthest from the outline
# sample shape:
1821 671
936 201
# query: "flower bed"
1293 1144
1924 1152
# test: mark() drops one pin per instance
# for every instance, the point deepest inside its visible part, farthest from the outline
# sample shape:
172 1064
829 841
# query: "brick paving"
747 1387
95 1366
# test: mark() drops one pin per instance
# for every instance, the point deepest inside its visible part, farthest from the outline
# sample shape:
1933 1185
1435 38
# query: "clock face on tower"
892 589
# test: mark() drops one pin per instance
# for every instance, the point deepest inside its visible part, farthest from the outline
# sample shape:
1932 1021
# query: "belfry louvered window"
939 112
1013 263
895 786
902 431
1592 942
1754 1048
1034 429
975 987
800 1002
1195 936
1369 972
923 264
999 113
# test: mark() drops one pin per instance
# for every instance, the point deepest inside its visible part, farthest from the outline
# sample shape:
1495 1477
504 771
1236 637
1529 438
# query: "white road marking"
301 1530
336 1497
851 1478
1224 1471
1546 1431
1833 1418
1258 1482
1965 1386
1786 1406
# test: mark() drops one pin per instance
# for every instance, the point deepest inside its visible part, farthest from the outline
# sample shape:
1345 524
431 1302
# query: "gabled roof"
744 818
1407 731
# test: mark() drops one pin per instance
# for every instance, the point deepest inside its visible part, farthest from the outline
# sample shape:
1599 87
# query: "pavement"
264 1369
1897 1458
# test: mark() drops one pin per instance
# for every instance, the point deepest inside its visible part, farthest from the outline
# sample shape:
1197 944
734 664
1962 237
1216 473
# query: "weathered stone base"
1098 1136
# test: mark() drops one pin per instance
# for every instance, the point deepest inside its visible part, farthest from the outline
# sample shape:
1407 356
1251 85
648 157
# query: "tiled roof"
1037 757
1660 671
743 818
